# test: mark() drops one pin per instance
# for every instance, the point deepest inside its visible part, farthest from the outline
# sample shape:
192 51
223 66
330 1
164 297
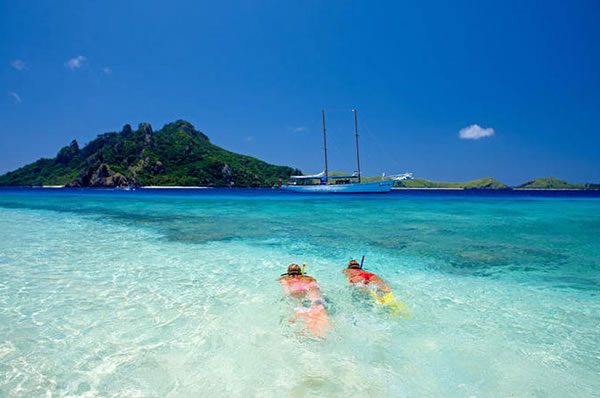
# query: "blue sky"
254 76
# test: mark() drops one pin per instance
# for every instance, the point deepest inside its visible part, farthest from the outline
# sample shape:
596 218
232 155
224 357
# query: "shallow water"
175 293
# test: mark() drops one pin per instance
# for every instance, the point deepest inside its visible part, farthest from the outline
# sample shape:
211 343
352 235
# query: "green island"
555 183
176 155
482 183
180 155
490 183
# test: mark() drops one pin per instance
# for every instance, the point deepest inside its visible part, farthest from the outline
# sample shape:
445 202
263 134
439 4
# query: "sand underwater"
168 293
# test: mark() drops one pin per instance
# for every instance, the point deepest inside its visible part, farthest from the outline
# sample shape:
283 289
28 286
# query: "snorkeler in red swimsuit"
364 280
377 288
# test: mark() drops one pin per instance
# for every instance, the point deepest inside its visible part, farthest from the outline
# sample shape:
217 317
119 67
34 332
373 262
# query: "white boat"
342 184
363 187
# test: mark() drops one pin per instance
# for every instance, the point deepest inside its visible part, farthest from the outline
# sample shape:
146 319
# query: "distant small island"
482 183
555 183
178 155
548 183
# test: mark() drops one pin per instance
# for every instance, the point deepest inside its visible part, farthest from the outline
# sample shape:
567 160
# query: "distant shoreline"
552 189
394 188
435 189
173 187
146 187
498 189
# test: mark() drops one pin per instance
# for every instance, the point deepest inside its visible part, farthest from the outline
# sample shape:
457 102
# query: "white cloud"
475 132
75 63
18 64
249 139
15 97
299 129
107 70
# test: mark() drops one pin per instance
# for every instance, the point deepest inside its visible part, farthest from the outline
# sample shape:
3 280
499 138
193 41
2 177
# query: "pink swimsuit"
296 286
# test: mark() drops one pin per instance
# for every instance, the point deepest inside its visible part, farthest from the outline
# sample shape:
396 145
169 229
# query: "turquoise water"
175 293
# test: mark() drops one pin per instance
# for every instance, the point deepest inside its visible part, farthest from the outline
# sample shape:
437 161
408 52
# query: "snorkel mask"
294 269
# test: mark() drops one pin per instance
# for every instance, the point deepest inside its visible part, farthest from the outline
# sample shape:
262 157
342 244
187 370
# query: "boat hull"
367 187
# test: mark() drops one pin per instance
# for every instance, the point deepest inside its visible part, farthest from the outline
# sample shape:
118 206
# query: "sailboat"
339 184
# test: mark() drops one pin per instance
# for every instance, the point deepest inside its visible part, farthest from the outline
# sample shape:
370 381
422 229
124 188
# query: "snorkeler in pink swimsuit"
306 287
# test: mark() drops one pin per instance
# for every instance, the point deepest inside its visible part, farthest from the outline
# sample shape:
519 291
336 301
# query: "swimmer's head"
294 269
353 264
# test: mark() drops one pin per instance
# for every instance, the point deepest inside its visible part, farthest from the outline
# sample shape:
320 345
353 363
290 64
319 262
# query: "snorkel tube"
303 265
362 261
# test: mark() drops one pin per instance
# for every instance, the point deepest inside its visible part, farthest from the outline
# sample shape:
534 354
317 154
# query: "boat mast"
356 135
325 145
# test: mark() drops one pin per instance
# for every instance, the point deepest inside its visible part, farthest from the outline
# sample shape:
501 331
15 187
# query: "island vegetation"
176 155
482 183
555 183
490 183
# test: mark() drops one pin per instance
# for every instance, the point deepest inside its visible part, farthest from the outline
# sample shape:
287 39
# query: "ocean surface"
175 293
